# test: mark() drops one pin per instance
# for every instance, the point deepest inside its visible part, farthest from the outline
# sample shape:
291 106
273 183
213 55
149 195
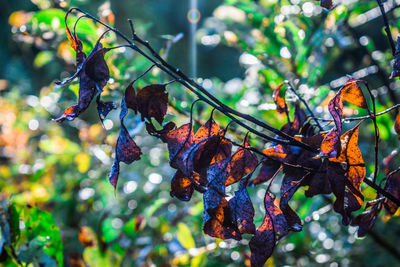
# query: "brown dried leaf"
366 220
242 210
152 102
242 163
272 229
346 173
392 186
267 171
352 93
181 187
126 151
280 102
288 188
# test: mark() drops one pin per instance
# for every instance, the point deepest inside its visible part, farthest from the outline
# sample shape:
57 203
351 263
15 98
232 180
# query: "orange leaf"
281 105
352 93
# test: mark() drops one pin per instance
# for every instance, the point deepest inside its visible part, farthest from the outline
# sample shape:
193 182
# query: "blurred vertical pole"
193 18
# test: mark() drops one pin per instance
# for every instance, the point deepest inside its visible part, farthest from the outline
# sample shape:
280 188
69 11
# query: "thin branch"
382 191
180 77
387 28
349 119
376 131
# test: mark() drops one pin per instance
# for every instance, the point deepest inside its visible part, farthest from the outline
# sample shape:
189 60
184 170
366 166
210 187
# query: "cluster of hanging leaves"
93 74
206 162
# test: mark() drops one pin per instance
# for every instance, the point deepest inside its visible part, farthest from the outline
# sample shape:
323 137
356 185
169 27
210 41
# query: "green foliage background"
53 177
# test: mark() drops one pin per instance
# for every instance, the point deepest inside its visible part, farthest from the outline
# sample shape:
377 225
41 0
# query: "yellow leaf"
82 159
185 236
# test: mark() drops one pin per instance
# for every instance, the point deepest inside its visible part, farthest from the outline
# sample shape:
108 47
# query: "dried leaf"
318 183
130 97
281 105
86 95
74 42
152 102
366 220
242 210
96 67
272 229
392 186
218 221
242 163
181 187
209 129
330 146
276 152
217 215
178 141
169 126
126 151
299 119
288 188
352 93
346 173
267 171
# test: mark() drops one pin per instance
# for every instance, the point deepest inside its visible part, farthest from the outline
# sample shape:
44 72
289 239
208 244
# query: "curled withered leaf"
181 186
195 153
169 126
242 210
335 107
217 214
280 102
392 186
326 4
366 220
330 146
86 95
152 102
346 173
218 221
104 107
74 42
178 141
288 188
126 150
396 64
273 228
242 163
352 93
96 67
397 124
130 97
267 171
